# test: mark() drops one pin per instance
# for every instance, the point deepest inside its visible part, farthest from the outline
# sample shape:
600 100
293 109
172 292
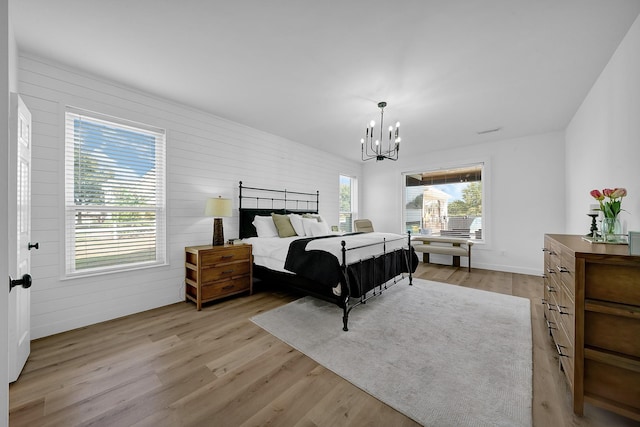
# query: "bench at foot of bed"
456 247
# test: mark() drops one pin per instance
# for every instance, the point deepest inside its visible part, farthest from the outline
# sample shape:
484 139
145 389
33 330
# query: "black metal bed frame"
247 230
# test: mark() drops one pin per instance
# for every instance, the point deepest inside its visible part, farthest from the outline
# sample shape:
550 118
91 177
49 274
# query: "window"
348 203
445 202
114 194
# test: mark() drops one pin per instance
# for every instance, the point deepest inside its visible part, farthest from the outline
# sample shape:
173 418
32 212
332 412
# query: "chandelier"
372 147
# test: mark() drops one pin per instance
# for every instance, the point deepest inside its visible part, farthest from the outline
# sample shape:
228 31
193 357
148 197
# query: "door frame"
5 64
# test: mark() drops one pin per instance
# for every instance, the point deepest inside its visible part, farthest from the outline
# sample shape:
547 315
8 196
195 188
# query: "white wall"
207 156
524 186
603 138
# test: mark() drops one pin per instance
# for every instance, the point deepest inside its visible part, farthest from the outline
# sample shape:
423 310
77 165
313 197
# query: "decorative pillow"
283 224
311 216
296 222
318 217
265 226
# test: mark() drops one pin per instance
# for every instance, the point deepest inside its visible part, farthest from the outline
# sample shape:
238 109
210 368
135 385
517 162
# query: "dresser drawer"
567 272
554 254
224 271
552 321
612 383
611 332
566 312
613 282
239 253
564 347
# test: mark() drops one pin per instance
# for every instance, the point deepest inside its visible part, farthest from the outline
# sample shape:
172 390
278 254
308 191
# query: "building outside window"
348 204
114 194
445 202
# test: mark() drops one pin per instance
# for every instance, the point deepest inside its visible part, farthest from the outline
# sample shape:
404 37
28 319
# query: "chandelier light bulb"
373 123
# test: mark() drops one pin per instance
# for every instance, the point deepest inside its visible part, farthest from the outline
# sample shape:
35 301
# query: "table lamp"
218 208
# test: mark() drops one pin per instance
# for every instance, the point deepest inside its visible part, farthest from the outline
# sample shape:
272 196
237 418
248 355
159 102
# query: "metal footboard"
378 285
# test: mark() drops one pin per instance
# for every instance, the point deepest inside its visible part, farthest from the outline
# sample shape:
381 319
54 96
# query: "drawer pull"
550 289
227 272
559 350
560 307
228 287
562 269
545 250
226 256
551 271
549 324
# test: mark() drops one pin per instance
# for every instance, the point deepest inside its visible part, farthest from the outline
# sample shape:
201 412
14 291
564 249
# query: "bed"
291 246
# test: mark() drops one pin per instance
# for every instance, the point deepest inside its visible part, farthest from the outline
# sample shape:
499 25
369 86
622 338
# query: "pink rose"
607 192
596 194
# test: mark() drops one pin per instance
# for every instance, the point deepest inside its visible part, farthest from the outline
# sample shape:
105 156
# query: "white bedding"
271 252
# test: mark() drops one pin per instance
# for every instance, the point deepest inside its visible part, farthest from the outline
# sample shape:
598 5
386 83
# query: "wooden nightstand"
214 272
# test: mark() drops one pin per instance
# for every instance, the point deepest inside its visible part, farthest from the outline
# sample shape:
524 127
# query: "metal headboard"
265 201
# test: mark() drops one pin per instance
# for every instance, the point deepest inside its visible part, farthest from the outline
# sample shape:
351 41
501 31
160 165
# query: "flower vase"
611 229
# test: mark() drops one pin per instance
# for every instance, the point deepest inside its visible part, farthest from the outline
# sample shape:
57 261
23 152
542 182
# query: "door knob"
36 246
25 282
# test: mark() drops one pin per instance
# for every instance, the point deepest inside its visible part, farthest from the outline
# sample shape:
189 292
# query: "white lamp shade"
218 207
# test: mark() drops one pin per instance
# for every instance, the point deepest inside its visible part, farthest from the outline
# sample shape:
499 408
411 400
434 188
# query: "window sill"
113 271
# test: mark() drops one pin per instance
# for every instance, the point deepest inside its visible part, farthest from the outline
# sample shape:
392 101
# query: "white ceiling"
313 71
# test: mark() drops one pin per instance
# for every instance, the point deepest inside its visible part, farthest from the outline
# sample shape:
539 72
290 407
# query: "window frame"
353 184
71 208
485 241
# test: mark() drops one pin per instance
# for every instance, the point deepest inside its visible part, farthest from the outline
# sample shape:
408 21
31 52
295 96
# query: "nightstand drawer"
239 253
221 289
227 287
225 271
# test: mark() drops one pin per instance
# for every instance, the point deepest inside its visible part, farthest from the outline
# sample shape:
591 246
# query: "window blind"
114 193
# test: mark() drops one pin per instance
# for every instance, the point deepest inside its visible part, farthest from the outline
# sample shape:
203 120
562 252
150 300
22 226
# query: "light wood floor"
175 366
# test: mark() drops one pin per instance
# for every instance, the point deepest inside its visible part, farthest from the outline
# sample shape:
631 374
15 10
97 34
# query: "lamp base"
218 232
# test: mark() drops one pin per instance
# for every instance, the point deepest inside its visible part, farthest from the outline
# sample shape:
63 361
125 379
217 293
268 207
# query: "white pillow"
265 226
307 223
296 221
314 228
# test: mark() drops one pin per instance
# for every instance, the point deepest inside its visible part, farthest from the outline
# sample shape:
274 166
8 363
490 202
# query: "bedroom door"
19 205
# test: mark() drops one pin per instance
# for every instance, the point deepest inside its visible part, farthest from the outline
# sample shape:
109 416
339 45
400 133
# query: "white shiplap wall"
206 157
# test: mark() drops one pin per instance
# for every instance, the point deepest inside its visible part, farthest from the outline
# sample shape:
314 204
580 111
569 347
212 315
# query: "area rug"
443 355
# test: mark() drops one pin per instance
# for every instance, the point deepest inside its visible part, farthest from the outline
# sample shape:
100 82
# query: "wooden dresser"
214 272
592 309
